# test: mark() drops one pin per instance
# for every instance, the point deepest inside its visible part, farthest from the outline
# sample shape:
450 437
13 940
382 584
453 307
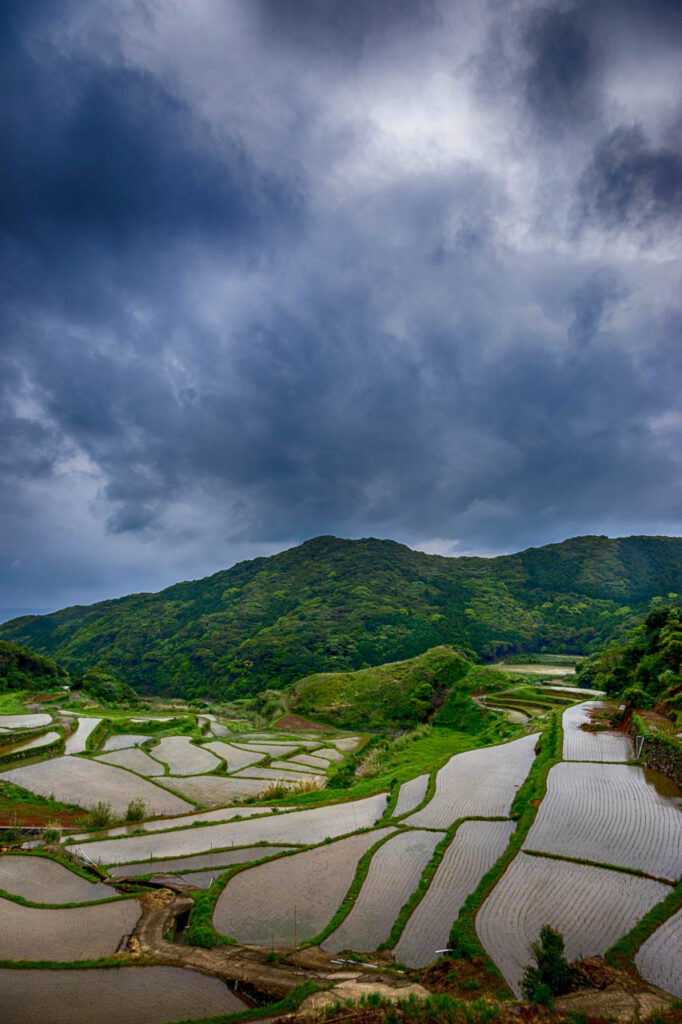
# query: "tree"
551 974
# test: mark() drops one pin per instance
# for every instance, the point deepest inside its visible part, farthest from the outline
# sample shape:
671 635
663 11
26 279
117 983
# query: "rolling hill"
340 605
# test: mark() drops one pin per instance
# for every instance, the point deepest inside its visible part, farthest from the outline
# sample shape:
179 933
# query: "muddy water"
664 786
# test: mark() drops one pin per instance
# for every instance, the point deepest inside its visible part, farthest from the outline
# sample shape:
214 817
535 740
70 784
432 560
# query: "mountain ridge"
334 604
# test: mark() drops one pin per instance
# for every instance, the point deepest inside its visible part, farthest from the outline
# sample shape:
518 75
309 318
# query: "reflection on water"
664 786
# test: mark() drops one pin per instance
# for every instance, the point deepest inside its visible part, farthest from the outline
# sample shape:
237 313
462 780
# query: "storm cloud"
274 269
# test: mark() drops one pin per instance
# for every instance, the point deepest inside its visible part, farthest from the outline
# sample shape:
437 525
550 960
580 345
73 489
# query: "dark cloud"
344 27
629 182
559 80
270 275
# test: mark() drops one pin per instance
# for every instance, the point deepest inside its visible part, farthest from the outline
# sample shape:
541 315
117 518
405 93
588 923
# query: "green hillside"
21 669
400 693
341 605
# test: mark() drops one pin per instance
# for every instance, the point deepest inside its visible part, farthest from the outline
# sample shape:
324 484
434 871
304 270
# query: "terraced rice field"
478 783
273 749
42 880
213 789
411 795
75 743
123 740
77 933
84 781
290 777
610 814
330 754
346 743
659 959
294 767
592 746
311 761
180 821
535 891
122 995
182 756
473 851
133 759
24 721
38 741
313 826
289 900
236 757
393 875
200 862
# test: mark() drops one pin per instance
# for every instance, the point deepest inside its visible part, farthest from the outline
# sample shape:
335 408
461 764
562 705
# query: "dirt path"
248 965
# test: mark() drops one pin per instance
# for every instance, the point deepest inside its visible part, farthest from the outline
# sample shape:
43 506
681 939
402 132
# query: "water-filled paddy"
473 851
76 933
659 959
42 880
393 875
478 783
591 907
291 899
122 995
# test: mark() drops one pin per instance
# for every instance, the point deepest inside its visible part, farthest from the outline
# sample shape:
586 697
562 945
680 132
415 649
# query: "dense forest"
339 605
21 669
647 669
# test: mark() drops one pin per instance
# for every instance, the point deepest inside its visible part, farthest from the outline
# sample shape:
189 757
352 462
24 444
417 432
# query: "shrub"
100 815
551 975
136 810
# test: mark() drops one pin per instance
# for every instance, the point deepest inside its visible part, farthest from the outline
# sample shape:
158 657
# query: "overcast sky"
277 268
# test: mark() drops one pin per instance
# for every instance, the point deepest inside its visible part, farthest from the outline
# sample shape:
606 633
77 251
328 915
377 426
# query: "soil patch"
295 723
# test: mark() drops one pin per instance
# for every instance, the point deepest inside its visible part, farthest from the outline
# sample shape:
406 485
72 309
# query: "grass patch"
622 954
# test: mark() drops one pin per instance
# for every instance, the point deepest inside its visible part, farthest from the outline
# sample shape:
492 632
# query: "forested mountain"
21 669
332 604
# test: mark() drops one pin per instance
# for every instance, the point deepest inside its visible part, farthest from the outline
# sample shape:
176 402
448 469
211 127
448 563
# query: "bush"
551 975
100 815
136 810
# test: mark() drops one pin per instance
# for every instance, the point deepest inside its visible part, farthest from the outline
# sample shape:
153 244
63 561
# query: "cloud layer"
273 269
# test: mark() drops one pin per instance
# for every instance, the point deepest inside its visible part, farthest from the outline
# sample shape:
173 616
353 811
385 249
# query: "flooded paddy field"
34 744
85 782
309 826
290 775
76 742
478 783
659 959
183 757
591 907
42 880
330 754
311 760
199 862
236 757
393 876
411 795
291 899
64 934
213 789
24 721
347 744
611 814
134 760
580 745
473 851
180 821
122 740
539 670
122 995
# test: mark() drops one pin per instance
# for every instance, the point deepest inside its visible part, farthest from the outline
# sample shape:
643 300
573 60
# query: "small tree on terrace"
551 975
